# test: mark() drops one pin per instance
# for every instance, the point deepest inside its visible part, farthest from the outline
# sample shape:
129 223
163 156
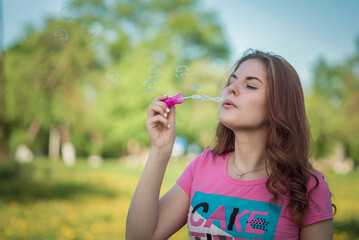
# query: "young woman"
257 181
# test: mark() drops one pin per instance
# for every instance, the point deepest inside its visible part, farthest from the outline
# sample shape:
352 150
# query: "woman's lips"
228 104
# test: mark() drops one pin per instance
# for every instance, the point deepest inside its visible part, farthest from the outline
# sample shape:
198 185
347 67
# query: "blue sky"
298 30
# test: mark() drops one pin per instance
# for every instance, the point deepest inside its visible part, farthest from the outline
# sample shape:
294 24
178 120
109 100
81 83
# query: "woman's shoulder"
207 153
316 175
317 182
208 156
210 153
320 205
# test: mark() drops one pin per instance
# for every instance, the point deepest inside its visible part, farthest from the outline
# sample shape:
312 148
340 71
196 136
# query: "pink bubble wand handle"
178 99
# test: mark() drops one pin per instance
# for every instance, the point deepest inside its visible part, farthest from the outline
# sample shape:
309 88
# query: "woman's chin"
226 123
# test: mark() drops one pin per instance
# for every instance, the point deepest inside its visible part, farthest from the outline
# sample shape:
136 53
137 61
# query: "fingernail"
165 96
168 126
165 114
168 110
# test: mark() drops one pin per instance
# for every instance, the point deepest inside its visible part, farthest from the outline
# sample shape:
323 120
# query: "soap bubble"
154 73
182 72
197 91
88 28
149 86
61 36
196 97
218 99
112 78
66 13
206 98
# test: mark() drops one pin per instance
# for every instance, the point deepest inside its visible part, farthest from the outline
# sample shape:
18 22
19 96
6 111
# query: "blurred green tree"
60 88
143 34
334 107
44 81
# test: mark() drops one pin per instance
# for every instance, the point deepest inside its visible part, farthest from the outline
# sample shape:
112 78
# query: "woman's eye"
251 87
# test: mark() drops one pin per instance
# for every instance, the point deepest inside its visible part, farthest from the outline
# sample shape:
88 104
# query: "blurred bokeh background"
75 87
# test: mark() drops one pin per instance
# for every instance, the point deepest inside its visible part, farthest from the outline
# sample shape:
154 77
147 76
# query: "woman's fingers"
171 115
153 122
160 98
157 110
161 123
158 107
159 101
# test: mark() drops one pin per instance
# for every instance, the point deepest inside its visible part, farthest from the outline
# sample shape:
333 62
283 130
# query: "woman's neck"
249 150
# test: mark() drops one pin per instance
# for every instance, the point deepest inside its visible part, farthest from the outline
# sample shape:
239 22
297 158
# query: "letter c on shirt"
205 207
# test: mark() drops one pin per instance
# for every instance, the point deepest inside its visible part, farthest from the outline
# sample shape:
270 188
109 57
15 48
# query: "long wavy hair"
288 140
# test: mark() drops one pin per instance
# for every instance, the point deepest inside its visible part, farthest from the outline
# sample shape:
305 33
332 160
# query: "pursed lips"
228 103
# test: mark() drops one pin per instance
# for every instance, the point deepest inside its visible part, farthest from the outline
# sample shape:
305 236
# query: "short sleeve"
320 204
185 180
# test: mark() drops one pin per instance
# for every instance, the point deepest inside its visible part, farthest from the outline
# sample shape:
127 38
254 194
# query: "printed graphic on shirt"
214 216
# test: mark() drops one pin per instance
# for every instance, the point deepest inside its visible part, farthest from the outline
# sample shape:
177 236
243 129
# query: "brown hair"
288 138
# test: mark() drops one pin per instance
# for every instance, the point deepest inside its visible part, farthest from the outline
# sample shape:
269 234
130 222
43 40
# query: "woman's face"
244 106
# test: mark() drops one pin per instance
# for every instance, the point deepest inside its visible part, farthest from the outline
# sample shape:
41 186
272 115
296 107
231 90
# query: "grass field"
47 200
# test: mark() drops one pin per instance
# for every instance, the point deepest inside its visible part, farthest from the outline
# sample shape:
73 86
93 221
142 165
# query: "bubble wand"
179 99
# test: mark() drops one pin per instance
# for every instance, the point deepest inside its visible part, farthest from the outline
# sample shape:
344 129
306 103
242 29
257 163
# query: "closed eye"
250 87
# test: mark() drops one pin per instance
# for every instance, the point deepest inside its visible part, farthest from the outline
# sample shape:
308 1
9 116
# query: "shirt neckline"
237 181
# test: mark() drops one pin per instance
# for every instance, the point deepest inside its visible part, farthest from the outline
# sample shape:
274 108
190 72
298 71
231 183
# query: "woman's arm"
319 231
148 217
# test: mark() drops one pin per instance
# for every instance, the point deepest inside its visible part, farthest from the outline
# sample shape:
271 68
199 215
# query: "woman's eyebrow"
255 78
247 78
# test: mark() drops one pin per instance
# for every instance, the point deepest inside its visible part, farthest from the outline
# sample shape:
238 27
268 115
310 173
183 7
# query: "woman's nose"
232 88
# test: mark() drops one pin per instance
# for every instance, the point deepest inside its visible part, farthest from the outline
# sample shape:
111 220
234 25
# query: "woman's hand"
154 216
161 126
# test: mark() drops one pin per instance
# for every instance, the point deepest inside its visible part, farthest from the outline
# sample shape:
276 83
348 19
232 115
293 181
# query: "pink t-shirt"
226 208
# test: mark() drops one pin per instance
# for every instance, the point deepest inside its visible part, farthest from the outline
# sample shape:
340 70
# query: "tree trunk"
33 129
67 149
54 144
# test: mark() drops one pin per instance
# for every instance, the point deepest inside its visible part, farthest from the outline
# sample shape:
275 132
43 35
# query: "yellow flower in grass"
21 225
67 232
8 231
96 228
72 217
88 235
13 204
341 236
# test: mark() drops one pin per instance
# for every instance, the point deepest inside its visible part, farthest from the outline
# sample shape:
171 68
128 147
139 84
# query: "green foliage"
333 105
11 170
325 122
64 85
